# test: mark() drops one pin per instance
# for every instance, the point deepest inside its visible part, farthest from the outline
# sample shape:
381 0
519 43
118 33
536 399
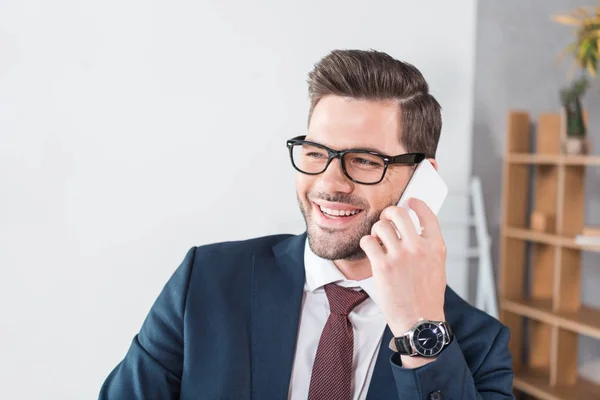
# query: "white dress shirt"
366 319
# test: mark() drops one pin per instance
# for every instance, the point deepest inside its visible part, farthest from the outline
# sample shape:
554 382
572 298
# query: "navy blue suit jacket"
225 326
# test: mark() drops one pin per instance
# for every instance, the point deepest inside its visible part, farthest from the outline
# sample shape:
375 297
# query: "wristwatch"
425 339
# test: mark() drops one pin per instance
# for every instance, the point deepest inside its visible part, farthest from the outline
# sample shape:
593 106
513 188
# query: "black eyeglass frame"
406 159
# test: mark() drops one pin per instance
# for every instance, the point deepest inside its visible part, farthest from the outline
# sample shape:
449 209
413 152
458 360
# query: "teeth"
338 213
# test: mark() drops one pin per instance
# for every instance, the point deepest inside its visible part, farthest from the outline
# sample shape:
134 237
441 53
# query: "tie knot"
343 300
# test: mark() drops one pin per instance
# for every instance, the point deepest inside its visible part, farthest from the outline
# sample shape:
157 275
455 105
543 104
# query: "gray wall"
516 68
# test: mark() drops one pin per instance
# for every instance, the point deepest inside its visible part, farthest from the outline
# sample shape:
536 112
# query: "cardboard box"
542 222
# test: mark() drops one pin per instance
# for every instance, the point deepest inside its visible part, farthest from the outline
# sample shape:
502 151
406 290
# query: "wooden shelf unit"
540 271
547 238
535 383
551 159
585 320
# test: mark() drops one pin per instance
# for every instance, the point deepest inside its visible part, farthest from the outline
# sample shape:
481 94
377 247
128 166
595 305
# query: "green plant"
570 98
585 49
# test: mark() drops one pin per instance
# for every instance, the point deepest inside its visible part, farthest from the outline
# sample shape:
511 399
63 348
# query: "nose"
333 179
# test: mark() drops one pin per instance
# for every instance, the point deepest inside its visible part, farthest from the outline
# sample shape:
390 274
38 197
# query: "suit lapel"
277 287
383 384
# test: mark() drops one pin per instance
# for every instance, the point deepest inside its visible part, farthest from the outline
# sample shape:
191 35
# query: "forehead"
342 122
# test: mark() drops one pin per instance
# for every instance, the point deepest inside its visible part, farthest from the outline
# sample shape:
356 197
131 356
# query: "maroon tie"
331 377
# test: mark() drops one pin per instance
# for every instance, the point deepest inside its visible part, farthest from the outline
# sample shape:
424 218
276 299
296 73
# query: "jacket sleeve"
153 365
449 377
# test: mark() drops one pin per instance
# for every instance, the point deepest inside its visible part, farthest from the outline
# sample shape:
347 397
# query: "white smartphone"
427 185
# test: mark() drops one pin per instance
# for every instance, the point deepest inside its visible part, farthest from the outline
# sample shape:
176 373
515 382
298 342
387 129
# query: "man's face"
343 123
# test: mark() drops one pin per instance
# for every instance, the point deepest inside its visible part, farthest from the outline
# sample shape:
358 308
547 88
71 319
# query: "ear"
433 162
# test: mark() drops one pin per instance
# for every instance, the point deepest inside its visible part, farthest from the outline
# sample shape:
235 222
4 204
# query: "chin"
335 244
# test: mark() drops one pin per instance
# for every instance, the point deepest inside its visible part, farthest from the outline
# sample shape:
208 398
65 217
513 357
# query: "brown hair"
374 75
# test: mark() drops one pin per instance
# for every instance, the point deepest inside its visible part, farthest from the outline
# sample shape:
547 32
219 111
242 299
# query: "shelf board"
586 321
547 238
552 159
535 382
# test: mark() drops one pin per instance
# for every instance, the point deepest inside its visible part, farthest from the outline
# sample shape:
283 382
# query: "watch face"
428 339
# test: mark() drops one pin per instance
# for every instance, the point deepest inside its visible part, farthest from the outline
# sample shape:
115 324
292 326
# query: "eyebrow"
367 148
373 149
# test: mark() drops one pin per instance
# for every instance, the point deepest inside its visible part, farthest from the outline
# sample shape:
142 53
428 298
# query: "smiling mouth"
338 213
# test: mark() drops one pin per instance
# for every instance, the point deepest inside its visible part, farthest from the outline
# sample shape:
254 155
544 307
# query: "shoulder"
231 257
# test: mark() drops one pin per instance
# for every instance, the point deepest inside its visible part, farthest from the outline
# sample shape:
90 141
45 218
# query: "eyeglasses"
360 166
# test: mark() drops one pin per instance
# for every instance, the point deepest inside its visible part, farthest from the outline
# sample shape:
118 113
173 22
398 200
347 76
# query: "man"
329 314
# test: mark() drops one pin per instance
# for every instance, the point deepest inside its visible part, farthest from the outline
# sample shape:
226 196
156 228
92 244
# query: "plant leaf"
567 20
591 68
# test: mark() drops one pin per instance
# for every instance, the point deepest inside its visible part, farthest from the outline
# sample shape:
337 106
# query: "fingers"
371 247
427 219
401 220
386 232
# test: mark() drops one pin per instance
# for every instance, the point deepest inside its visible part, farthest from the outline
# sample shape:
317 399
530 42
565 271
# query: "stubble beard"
333 244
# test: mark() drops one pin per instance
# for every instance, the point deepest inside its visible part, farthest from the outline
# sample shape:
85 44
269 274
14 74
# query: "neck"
355 270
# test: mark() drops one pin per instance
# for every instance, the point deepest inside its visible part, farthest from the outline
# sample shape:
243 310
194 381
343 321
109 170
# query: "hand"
409 273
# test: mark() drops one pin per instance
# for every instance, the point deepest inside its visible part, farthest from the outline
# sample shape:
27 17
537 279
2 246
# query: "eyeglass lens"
362 167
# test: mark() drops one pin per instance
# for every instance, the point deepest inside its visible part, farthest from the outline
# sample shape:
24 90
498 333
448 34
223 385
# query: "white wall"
131 130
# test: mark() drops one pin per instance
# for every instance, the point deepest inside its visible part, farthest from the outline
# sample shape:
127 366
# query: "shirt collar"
320 272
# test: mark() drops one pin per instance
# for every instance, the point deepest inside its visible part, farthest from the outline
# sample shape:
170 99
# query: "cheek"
400 179
389 191
382 198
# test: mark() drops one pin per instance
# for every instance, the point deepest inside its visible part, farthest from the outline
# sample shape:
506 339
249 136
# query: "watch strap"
449 333
403 346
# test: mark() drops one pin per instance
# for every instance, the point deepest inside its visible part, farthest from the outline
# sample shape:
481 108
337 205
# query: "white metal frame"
486 298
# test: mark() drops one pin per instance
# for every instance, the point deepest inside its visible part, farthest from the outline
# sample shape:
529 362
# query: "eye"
366 161
315 154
